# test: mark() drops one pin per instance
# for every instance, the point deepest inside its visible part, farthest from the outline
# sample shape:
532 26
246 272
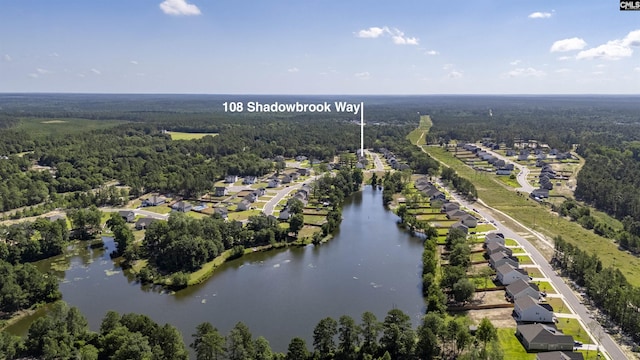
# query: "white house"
495 247
521 288
507 274
527 309
244 205
273 183
231 178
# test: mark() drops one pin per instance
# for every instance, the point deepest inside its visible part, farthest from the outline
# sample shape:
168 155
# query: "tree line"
64 334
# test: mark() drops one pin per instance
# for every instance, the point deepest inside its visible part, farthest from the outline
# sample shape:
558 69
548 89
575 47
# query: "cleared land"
38 127
188 136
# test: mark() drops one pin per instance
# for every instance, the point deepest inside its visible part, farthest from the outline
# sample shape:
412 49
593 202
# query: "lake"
370 265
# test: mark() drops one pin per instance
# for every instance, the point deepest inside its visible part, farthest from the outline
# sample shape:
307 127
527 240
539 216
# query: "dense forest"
64 334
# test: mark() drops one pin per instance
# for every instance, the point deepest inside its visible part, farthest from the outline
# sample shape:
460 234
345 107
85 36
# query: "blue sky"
319 47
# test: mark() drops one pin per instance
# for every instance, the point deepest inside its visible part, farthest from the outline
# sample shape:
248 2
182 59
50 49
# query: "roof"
527 302
560 355
145 221
520 285
126 213
493 246
457 213
493 237
543 334
505 268
497 256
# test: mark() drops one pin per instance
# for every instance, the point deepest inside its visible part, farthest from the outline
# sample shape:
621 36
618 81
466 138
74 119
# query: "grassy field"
558 305
42 127
511 346
161 209
243 215
524 260
485 228
540 218
418 136
534 272
546 287
573 327
188 136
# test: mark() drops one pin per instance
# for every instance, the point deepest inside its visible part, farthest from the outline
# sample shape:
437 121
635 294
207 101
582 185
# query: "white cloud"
363 75
432 52
571 44
178 8
372 32
42 71
455 74
565 58
33 75
515 62
540 15
396 35
293 70
447 67
563 71
133 62
54 54
96 71
7 58
613 49
399 38
598 73
637 69
526 72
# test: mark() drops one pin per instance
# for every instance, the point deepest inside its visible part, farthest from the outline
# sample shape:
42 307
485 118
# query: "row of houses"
502 167
393 162
250 198
535 329
301 194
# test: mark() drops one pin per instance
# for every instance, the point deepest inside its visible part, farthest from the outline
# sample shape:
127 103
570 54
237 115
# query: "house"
301 158
303 171
222 211
251 197
520 288
539 194
182 206
244 205
543 338
503 172
507 274
220 191
154 201
469 221
230 179
359 165
128 216
459 225
286 179
294 176
559 355
528 309
495 247
284 214
273 183
248 180
278 158
511 153
494 237
455 214
143 223
450 206
56 217
435 194
260 192
498 259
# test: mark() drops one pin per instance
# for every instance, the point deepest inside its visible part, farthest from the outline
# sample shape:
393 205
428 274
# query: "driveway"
523 171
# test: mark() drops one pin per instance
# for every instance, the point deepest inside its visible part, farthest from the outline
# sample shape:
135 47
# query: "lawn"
524 260
188 136
517 250
243 215
546 287
511 346
558 305
161 209
197 215
482 282
485 228
573 327
308 231
314 219
479 256
507 180
534 272
511 242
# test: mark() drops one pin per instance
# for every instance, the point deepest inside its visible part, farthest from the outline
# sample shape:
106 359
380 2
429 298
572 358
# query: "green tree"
398 337
135 346
323 338
463 290
263 349
297 350
486 333
370 332
348 337
239 343
296 223
208 343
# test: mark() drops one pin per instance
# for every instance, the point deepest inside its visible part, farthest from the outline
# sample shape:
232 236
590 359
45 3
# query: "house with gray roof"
539 337
559 355
507 274
500 258
520 288
528 309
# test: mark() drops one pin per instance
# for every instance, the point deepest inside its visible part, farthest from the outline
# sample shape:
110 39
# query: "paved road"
141 212
376 161
593 327
523 171
271 204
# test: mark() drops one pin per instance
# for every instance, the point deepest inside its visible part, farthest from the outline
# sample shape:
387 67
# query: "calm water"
370 265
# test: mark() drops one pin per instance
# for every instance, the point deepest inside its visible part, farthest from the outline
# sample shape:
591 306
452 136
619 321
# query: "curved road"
523 171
